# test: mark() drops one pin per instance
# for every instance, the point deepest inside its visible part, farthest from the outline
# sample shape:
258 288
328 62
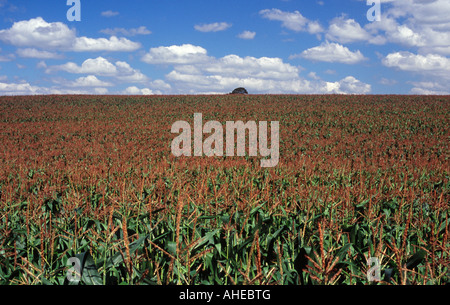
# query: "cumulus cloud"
159 85
35 53
247 35
408 61
388 82
207 83
294 21
429 88
97 66
126 73
423 91
213 27
88 81
422 24
434 67
25 88
346 30
314 27
395 32
142 30
101 66
423 28
38 33
176 54
18 89
113 44
413 23
133 90
350 84
261 68
196 72
109 13
331 52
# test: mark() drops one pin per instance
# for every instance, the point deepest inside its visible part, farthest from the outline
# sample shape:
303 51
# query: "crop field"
90 192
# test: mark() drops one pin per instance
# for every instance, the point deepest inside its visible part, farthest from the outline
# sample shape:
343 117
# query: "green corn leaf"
416 259
117 257
89 272
172 247
343 251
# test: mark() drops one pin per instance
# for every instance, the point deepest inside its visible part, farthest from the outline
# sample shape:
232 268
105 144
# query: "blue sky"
202 47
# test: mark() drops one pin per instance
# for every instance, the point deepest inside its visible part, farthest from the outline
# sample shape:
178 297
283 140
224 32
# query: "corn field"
93 178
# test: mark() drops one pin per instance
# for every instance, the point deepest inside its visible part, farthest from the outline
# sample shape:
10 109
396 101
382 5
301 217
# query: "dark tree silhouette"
239 90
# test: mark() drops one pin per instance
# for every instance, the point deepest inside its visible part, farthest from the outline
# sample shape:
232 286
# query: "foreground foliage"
92 177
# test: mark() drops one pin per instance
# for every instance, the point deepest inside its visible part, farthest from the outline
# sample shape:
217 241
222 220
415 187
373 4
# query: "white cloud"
17 89
423 27
346 30
247 35
100 90
101 66
205 74
294 21
313 75
182 54
388 82
89 81
142 30
331 52
190 75
35 53
430 88
406 36
133 90
261 68
38 33
424 91
350 84
97 66
84 44
434 67
41 65
204 83
314 27
126 73
159 85
25 88
415 23
109 13
82 85
213 27
408 61
423 11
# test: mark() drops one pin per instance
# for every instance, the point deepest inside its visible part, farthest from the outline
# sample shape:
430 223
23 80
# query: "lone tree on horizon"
239 90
